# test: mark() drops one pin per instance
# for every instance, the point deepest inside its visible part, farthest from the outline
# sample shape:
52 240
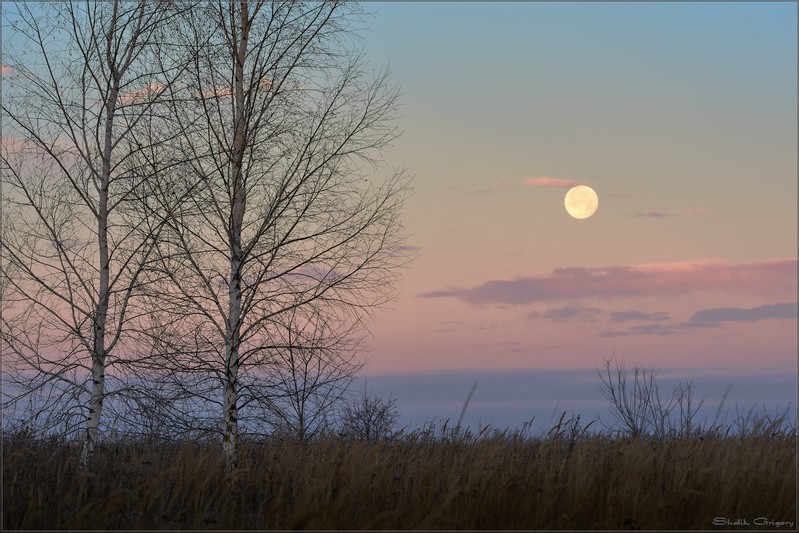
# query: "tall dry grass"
418 481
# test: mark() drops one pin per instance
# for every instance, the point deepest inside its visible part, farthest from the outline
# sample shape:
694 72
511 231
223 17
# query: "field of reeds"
418 481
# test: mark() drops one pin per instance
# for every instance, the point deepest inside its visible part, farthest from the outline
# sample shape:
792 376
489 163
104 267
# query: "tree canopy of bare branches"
72 254
639 407
288 220
369 417
307 377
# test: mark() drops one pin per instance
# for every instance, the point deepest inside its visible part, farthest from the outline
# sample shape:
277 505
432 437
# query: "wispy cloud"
545 181
687 212
449 325
142 95
570 313
24 148
712 318
652 214
592 314
409 248
753 314
654 329
613 334
695 212
493 187
463 230
767 278
629 316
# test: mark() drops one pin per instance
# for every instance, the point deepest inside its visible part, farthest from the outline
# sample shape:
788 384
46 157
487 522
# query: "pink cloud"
768 278
6 71
143 94
219 92
544 181
695 211
22 149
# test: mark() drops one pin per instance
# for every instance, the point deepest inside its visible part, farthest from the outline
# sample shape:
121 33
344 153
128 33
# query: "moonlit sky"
682 117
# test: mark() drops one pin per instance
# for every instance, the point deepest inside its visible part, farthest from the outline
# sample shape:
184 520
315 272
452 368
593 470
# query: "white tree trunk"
230 440
232 340
95 412
99 350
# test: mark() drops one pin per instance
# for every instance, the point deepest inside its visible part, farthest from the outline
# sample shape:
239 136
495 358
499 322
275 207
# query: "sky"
683 119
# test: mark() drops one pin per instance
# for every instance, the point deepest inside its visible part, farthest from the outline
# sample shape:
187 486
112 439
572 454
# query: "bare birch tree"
311 366
72 253
283 125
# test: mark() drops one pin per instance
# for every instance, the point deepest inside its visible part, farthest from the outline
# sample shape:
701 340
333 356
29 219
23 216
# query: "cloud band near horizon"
768 278
546 181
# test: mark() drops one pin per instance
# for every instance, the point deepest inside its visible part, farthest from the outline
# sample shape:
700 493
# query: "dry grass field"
415 482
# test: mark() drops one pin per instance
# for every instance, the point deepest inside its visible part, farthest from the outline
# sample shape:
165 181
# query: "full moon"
581 201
